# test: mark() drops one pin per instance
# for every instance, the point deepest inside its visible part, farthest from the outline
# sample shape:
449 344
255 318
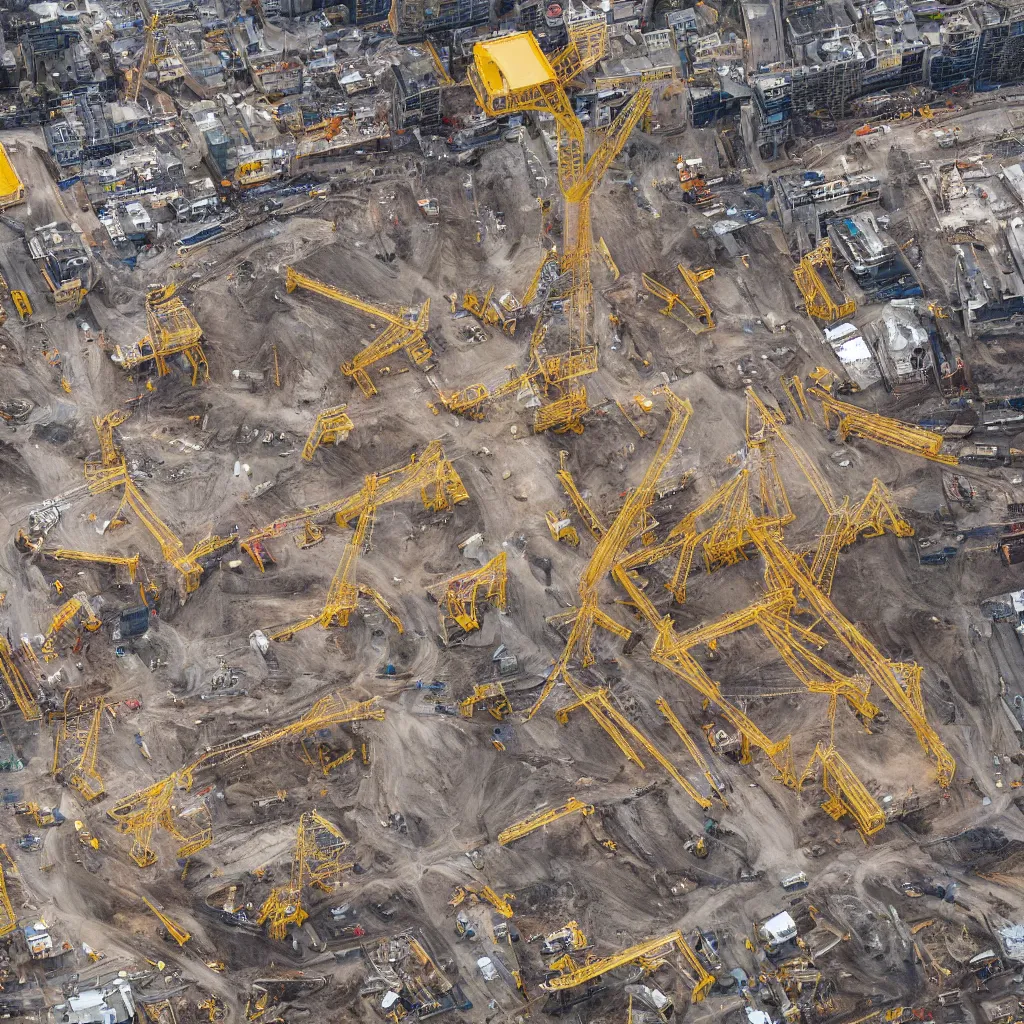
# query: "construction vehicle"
569 939
492 696
618 727
406 330
130 564
317 861
15 683
331 427
75 752
560 527
493 312
85 837
563 415
818 299
523 828
646 953
458 598
173 331
140 813
44 817
8 919
21 304
847 420
430 472
76 608
483 894
175 931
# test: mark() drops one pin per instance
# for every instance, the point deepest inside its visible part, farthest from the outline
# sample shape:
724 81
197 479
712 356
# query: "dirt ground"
436 788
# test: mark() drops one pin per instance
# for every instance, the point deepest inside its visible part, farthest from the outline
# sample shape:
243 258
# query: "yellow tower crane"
155 807
173 330
406 330
148 53
523 828
458 597
846 793
511 74
317 862
331 426
75 752
15 682
130 563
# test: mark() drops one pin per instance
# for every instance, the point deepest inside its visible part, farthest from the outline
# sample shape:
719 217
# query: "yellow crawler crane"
810 276
317 862
140 813
331 426
483 894
75 752
130 563
492 696
173 330
15 682
598 703
691 747
457 598
406 330
8 919
433 474
175 930
525 827
76 608
900 682
849 419
574 975
110 459
846 793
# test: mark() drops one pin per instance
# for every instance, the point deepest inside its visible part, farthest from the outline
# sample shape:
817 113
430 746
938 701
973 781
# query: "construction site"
576 580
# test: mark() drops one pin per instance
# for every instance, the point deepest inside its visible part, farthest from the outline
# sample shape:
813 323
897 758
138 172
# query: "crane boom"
525 827
15 682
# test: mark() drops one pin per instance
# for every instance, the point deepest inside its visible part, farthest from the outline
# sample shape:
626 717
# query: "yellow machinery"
846 793
524 828
138 814
331 426
111 459
900 682
75 752
560 527
818 300
21 304
457 598
563 415
175 931
492 696
632 520
439 486
699 315
319 846
574 975
148 53
8 919
130 564
847 419
173 330
75 608
490 311
609 262
406 330
691 747
583 509
598 703
510 74
16 684
483 894
435 476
